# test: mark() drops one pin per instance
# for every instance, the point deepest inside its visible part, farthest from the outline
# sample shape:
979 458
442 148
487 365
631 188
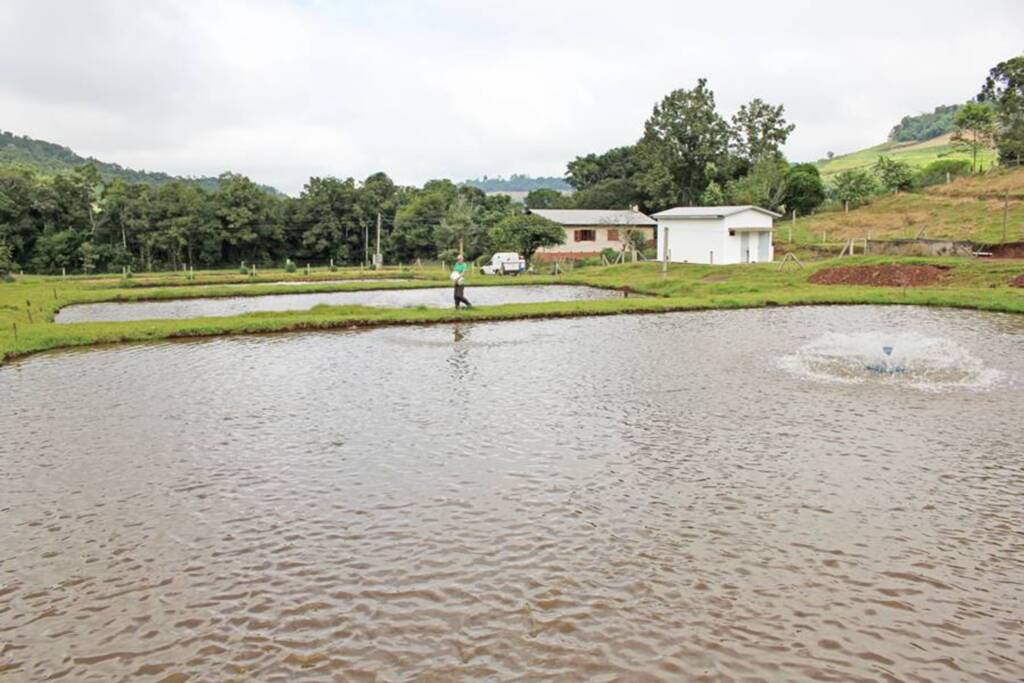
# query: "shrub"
804 189
242 269
894 175
853 187
289 265
935 172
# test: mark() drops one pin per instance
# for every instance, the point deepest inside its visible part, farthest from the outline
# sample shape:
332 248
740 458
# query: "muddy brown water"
393 298
660 497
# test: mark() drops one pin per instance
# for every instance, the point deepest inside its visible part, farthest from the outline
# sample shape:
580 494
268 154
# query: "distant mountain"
518 183
47 157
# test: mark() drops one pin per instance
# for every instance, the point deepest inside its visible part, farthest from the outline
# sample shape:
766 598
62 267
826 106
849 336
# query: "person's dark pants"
460 297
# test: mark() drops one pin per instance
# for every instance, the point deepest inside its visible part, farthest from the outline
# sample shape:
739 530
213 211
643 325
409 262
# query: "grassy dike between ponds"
28 306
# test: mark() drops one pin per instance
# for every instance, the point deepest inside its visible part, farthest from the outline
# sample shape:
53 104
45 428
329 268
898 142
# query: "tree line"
79 222
687 153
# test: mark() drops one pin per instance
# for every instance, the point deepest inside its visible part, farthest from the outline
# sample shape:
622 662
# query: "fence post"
1006 212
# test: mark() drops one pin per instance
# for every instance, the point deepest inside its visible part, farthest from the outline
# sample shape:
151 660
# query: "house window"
613 235
585 236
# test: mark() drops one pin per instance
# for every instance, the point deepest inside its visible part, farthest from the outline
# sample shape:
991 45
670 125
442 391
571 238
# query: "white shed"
716 234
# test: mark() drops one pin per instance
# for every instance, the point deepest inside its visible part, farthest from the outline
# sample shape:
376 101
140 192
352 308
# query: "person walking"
458 277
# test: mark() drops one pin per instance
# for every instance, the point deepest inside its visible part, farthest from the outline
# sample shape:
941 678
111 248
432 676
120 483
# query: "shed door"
764 243
745 247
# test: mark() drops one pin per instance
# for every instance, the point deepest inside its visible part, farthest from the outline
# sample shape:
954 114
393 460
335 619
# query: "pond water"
434 297
660 497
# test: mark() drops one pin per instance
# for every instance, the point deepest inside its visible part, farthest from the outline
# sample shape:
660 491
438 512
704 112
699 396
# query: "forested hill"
925 126
47 157
518 183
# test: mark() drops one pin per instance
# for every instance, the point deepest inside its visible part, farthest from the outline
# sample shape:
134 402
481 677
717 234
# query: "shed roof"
711 211
625 217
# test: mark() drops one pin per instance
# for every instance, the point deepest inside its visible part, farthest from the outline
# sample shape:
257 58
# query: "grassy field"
969 208
917 154
27 307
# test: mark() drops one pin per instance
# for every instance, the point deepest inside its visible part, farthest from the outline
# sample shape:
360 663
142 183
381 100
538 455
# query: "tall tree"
125 213
682 136
19 226
329 216
415 222
7 264
1004 88
619 163
760 130
456 226
247 220
526 234
974 129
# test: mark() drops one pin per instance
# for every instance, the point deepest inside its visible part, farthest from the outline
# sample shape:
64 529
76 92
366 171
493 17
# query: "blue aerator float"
885 367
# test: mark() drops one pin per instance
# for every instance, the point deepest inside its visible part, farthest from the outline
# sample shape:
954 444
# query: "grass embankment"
970 284
967 209
917 154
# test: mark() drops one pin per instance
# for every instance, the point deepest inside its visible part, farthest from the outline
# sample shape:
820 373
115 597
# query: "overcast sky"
453 88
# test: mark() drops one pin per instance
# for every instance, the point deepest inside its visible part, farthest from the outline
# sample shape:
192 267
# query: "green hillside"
917 154
970 208
45 157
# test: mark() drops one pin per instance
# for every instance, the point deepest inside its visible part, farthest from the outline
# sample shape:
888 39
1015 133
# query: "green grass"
30 303
917 154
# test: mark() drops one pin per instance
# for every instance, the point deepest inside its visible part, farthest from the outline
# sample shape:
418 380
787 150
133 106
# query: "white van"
505 263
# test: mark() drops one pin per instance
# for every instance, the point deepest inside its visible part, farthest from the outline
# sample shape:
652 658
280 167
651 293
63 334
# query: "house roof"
612 217
711 211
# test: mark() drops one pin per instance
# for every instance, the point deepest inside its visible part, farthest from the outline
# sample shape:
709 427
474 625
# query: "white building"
716 234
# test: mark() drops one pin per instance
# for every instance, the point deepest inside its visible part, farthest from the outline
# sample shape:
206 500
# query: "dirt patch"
1004 250
880 276
1017 281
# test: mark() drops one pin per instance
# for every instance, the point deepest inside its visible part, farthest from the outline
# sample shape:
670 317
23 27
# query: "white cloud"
285 90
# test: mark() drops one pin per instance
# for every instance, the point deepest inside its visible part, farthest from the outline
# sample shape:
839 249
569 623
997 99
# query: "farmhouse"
716 234
588 232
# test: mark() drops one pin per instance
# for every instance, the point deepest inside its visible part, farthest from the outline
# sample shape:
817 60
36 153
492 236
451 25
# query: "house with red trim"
588 232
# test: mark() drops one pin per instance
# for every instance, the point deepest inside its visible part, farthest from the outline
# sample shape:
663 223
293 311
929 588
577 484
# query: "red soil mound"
1017 281
880 276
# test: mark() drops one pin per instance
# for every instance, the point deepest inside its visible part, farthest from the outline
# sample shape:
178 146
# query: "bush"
289 265
242 269
853 187
804 189
935 172
610 254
